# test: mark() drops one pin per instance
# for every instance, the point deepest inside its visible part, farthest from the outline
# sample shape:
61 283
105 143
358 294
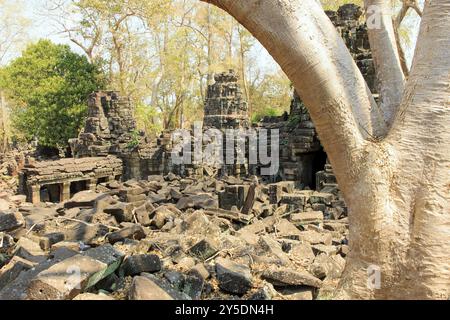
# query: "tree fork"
397 187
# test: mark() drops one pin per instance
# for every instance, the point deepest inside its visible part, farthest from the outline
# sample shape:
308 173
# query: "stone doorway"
77 186
51 193
318 164
102 180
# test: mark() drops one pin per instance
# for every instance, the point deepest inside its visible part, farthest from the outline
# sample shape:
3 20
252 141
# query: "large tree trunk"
392 161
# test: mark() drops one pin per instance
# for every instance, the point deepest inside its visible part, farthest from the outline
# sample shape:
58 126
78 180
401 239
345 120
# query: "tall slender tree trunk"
230 44
209 59
242 69
391 161
389 71
4 133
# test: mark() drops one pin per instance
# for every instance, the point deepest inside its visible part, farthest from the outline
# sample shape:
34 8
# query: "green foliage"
162 54
270 96
294 120
135 139
49 85
145 119
267 112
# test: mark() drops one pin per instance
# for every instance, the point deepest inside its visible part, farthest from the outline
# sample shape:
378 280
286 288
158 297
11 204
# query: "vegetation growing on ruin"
134 142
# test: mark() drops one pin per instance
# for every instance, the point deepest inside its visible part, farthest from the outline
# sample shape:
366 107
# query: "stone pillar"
91 184
65 191
34 194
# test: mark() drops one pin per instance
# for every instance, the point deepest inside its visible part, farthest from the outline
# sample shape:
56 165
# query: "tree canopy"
48 86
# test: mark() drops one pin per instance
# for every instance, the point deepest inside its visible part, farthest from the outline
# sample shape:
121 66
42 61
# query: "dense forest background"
160 53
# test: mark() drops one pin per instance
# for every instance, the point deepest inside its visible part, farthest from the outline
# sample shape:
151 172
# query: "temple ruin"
58 181
225 107
139 225
110 131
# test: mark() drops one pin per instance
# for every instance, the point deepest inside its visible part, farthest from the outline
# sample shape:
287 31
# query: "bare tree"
13 35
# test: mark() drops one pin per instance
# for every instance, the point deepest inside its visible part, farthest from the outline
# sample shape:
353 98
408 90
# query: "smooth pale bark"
386 57
421 136
397 188
304 42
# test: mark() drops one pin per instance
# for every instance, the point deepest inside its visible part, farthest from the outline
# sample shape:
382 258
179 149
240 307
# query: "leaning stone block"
17 289
11 270
30 250
85 233
234 195
294 201
10 221
135 232
284 277
204 249
72 276
144 288
320 197
83 199
307 218
233 277
136 264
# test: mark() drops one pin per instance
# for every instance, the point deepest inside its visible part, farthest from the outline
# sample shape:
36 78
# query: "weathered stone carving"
109 128
225 107
57 181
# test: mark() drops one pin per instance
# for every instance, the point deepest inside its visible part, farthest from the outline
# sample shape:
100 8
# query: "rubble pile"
10 165
173 238
120 220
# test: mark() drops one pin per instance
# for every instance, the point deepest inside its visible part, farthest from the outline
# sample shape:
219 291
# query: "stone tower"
109 126
354 32
225 107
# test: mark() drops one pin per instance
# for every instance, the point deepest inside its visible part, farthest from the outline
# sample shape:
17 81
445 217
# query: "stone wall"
55 181
300 149
225 107
111 129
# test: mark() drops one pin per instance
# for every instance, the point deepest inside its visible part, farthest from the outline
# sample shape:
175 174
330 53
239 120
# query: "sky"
42 27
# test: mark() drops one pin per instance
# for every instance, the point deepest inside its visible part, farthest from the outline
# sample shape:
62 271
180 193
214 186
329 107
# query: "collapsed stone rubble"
121 220
173 238
56 181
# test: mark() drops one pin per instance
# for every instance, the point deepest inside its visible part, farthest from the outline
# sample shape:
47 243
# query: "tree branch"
401 52
428 86
385 52
304 42
421 135
406 5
